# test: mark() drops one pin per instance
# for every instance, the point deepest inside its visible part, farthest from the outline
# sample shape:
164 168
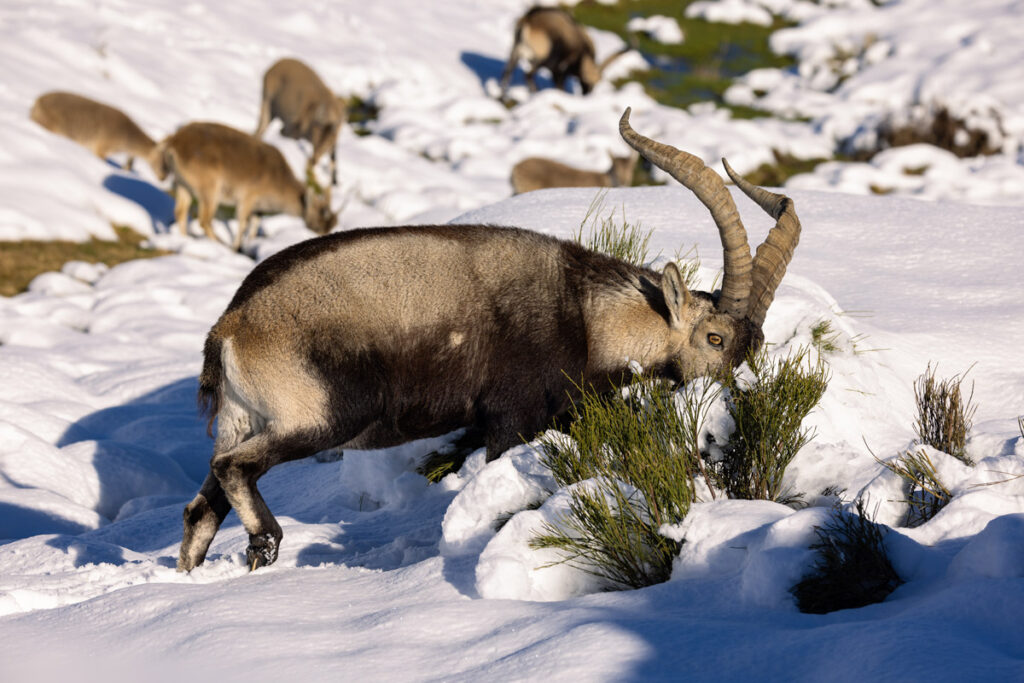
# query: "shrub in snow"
852 569
769 412
640 453
944 418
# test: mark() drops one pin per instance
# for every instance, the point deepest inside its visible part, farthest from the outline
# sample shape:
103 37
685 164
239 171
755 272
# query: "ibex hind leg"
238 469
204 515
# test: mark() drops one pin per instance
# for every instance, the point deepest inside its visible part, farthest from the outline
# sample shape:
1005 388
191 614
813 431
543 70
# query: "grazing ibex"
373 337
308 109
99 127
536 173
548 37
220 165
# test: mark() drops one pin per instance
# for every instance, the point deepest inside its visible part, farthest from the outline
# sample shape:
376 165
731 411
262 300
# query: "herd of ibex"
374 337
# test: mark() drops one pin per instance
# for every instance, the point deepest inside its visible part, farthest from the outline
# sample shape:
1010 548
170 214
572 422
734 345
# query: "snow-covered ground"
380 575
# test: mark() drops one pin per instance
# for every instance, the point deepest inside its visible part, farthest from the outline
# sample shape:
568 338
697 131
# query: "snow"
659 27
382 576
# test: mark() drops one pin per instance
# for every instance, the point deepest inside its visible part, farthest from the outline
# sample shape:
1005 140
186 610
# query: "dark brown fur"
549 38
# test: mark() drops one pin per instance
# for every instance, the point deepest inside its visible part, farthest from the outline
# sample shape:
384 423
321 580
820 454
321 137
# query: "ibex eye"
714 340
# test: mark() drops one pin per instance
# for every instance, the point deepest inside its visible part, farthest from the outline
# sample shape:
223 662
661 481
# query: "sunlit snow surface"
382 577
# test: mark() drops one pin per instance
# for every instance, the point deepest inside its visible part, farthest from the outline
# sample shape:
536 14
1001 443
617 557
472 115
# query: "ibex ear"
677 296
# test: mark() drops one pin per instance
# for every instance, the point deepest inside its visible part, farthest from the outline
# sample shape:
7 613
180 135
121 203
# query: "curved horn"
776 251
711 191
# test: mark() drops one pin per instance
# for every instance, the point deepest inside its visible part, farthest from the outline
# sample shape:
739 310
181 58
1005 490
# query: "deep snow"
380 575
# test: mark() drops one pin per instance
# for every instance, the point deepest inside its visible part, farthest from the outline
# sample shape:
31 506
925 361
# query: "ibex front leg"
203 516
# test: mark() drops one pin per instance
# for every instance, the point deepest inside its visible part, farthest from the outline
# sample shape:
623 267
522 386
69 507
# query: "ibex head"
718 331
316 210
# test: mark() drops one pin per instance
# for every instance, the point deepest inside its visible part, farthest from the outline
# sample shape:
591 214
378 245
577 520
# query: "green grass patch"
21 261
359 113
703 66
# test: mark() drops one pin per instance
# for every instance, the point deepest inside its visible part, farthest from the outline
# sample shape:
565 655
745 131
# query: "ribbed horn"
775 253
710 189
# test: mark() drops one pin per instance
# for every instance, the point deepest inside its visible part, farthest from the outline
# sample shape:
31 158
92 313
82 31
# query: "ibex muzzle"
374 337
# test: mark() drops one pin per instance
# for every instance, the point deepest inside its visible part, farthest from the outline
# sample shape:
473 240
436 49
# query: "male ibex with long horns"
548 37
370 338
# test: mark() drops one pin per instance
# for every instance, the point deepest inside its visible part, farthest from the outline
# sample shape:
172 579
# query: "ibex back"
220 165
369 338
307 108
102 129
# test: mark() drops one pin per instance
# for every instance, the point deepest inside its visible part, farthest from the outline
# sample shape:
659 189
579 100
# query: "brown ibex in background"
220 165
536 173
548 37
374 337
308 109
102 129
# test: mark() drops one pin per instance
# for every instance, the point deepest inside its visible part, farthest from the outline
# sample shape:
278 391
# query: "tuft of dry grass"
944 417
926 494
852 568
21 261
625 240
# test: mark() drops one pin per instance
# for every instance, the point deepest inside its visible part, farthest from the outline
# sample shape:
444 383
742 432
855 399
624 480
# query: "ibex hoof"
262 551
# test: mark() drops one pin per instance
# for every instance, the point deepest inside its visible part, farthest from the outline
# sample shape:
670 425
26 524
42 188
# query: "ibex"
220 165
536 173
308 109
373 337
548 37
99 127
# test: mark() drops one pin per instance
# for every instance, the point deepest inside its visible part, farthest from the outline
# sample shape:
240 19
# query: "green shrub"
768 415
639 450
944 418
852 568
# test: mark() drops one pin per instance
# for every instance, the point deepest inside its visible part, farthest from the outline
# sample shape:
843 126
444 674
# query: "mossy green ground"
701 67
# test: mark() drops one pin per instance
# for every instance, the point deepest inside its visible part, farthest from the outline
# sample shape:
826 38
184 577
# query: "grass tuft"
926 494
625 240
825 337
852 568
944 417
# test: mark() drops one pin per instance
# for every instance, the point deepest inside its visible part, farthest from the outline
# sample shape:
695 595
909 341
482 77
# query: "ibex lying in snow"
217 164
548 37
373 337
308 109
536 173
99 127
